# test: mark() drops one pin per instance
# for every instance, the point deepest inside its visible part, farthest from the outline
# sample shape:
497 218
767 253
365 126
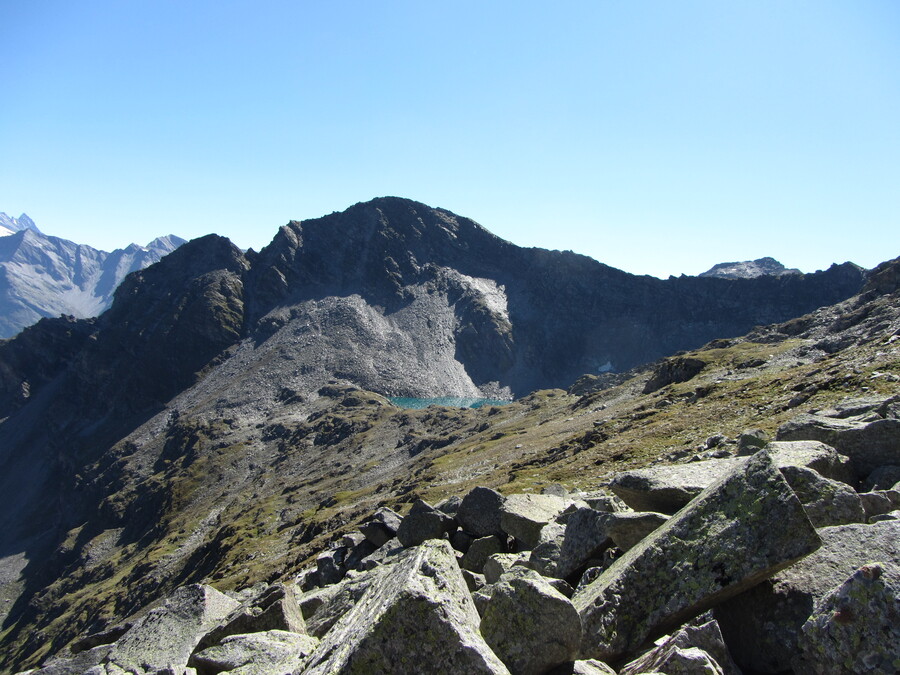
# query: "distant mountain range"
749 269
44 276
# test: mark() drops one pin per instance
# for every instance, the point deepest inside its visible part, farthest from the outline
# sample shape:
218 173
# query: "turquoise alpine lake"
447 401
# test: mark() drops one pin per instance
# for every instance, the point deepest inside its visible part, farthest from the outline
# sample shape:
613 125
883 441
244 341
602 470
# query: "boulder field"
760 561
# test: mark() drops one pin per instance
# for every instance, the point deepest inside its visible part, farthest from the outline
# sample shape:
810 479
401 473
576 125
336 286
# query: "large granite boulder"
762 625
424 522
524 516
869 439
627 529
827 502
586 537
273 651
416 617
740 530
479 512
166 637
530 625
670 650
381 527
856 627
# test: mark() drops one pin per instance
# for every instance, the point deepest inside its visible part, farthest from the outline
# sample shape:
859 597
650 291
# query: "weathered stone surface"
741 530
706 636
385 554
856 627
323 608
666 489
524 516
500 563
272 651
479 512
75 664
531 626
480 550
586 537
827 502
417 617
869 443
423 522
382 526
585 667
891 515
276 608
628 529
882 478
166 636
330 565
879 502
761 626
603 501
813 455
545 556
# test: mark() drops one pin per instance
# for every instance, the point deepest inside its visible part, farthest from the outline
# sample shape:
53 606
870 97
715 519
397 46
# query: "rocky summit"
212 477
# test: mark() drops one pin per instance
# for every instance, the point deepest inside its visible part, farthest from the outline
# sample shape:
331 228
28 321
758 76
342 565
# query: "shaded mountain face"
42 276
220 380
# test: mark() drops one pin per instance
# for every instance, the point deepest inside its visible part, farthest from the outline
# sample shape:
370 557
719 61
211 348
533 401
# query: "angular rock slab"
827 502
273 651
740 530
166 637
479 512
762 625
856 627
524 516
417 617
531 626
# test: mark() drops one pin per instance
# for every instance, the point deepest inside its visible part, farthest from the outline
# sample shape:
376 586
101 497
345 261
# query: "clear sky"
659 137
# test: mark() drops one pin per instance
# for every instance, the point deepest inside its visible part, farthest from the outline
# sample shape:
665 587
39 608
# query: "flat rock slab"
740 530
165 637
868 443
762 625
273 651
416 617
856 627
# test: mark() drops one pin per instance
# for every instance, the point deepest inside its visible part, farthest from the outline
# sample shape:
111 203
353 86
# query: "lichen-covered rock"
869 443
75 664
586 537
272 651
530 625
479 512
416 617
276 608
480 550
545 556
381 526
761 626
166 636
705 636
739 531
524 516
879 501
813 455
666 489
601 500
583 667
627 529
856 627
324 607
500 563
827 502
423 522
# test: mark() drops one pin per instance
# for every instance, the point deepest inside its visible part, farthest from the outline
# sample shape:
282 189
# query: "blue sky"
658 137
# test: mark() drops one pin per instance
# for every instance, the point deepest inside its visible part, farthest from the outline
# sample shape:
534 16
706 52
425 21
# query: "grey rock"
450 505
761 626
751 441
75 664
882 478
813 455
892 515
166 637
879 502
627 529
323 608
586 537
545 556
524 516
461 541
381 526
273 652
827 502
480 550
330 565
276 608
856 627
555 489
417 617
474 581
666 489
357 556
869 443
479 512
499 563
585 667
603 501
423 522
706 636
385 554
531 626
739 531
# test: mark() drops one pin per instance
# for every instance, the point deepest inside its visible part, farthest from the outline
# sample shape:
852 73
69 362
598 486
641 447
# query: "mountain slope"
213 424
42 276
